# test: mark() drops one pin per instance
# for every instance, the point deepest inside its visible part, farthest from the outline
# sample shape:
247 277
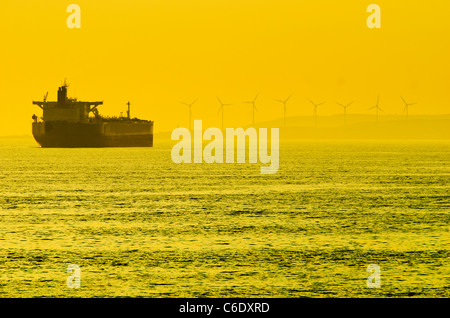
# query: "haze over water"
139 225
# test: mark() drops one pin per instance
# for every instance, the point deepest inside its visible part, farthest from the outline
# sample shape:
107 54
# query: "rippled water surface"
139 225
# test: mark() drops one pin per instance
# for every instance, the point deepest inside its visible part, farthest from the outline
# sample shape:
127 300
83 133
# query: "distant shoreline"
333 127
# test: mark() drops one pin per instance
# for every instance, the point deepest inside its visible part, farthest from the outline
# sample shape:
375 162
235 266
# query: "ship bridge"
67 109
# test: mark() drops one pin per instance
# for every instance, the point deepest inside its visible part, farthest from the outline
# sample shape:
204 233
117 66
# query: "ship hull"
93 135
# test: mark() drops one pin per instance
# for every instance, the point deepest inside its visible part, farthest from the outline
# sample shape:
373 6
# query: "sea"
138 225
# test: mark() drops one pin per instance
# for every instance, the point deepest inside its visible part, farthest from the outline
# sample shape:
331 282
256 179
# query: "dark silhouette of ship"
69 123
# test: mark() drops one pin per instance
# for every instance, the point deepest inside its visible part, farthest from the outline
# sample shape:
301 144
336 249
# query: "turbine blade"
349 103
288 98
219 100
194 101
254 100
380 109
403 99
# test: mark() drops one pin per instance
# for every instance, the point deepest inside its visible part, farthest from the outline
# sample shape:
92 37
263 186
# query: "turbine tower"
253 108
315 110
222 108
190 112
345 110
407 107
377 107
284 105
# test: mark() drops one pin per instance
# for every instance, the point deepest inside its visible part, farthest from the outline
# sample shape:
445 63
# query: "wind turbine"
315 110
253 108
407 107
222 108
190 111
284 105
377 107
345 110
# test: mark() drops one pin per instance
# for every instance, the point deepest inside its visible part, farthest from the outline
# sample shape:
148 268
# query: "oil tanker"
69 123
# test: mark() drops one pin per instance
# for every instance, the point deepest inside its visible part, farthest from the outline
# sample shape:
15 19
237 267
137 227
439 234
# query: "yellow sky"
158 53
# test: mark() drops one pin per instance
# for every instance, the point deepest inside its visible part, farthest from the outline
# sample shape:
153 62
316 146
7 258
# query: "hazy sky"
158 53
